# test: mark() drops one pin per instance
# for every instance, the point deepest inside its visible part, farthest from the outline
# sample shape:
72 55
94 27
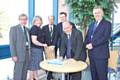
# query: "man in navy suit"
97 43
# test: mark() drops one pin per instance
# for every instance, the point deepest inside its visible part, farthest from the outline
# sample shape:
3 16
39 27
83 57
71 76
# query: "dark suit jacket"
100 40
76 42
60 30
47 37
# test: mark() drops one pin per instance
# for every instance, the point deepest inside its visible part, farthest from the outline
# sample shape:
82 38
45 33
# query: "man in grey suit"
20 48
71 46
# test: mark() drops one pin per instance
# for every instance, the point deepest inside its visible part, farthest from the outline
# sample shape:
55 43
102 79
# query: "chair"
113 63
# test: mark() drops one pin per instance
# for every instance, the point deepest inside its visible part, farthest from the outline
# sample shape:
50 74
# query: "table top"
66 67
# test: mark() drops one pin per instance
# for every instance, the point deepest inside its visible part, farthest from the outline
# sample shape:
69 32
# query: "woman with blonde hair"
37 44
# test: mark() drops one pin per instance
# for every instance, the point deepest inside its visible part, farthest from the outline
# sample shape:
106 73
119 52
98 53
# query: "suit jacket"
76 44
18 42
50 40
100 40
60 30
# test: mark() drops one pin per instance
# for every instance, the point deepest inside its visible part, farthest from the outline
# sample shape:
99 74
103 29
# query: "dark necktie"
51 31
25 33
94 28
68 55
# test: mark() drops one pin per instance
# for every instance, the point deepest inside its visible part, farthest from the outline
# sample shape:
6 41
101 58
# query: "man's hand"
52 47
71 60
89 46
15 59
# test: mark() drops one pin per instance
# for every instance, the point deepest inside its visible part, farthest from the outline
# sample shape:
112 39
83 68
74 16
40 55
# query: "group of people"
27 46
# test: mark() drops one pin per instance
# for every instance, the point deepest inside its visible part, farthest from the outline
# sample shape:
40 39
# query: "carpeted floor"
6 71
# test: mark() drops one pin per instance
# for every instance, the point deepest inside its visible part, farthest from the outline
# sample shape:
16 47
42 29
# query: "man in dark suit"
71 46
51 33
97 43
20 48
51 36
63 18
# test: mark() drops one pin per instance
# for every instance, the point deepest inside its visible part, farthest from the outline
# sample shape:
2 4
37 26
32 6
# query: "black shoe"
34 79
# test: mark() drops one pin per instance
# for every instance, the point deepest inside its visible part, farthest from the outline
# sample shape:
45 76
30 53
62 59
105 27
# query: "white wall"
117 14
44 8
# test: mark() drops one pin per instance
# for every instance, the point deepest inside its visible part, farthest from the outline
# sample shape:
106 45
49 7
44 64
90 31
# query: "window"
9 16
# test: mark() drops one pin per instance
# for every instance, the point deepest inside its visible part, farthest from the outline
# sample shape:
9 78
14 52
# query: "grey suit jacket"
18 42
77 44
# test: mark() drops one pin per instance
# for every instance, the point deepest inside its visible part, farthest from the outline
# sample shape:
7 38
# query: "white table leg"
63 76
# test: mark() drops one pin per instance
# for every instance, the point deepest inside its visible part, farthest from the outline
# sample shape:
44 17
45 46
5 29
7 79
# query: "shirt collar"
99 21
22 27
50 26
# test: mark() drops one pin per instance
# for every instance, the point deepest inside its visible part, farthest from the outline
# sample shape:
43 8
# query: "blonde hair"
35 18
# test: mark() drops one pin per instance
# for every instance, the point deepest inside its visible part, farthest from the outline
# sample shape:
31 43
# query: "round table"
66 67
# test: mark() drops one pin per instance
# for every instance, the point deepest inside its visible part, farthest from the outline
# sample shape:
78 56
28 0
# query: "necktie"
51 31
68 47
25 33
94 28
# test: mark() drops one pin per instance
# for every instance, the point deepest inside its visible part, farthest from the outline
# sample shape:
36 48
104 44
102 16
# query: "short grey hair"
35 18
98 7
22 15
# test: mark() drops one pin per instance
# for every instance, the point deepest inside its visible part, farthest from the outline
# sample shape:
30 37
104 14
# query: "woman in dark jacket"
37 44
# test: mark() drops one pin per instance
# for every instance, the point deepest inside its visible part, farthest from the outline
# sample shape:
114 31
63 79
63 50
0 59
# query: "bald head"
67 27
51 19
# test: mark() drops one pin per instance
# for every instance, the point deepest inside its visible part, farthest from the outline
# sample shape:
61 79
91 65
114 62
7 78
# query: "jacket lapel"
21 31
72 36
53 31
47 30
65 37
99 26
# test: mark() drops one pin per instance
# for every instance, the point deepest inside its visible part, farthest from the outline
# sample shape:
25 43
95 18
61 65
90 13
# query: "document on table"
55 61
